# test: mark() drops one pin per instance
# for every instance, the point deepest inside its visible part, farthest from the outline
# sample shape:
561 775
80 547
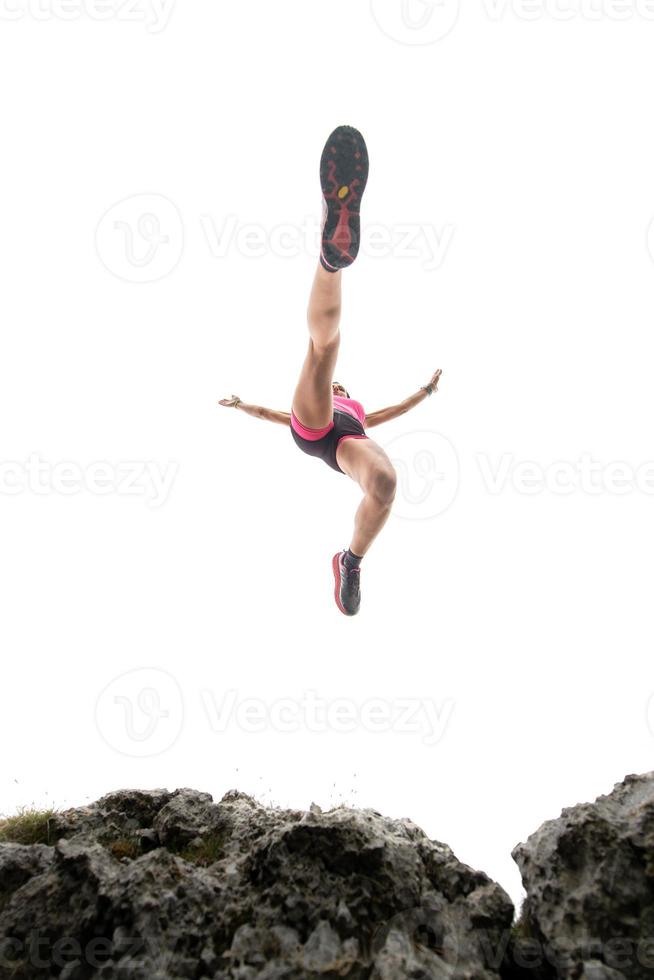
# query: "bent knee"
326 346
383 484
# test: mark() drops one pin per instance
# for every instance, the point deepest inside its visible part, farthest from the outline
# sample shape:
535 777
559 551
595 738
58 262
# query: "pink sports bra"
352 407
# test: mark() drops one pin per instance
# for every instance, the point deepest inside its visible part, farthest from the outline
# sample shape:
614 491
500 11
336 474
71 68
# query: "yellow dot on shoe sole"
344 191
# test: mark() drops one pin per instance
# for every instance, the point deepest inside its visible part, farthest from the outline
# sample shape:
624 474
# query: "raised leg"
366 462
313 401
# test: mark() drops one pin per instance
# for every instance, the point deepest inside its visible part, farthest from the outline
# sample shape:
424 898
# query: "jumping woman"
324 421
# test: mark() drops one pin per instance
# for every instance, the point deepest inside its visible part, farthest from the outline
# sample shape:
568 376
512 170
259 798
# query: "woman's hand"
436 377
230 402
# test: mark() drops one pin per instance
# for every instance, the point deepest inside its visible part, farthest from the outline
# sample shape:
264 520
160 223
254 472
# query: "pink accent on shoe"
342 237
332 268
336 568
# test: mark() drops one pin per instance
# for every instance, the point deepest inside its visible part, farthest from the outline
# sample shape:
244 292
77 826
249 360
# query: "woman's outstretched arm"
386 414
258 411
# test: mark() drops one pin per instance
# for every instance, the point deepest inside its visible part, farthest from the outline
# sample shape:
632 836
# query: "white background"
521 611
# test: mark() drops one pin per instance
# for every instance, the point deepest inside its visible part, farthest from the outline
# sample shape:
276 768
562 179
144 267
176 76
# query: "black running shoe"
343 178
347 591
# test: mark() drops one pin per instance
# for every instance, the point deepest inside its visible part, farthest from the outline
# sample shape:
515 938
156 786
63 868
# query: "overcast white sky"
168 616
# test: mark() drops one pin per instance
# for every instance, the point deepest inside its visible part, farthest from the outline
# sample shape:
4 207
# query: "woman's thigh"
363 460
313 402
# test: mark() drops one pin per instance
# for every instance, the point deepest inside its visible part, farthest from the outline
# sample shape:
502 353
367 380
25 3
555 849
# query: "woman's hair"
347 393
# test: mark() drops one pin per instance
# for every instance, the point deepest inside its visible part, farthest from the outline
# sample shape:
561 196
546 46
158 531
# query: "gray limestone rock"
589 878
168 885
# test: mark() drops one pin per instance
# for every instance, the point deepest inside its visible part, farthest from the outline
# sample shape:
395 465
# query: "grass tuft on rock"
28 826
205 853
523 927
125 847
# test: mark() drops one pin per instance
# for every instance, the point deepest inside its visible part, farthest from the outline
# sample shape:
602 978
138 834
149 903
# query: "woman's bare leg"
369 519
324 311
313 401
367 463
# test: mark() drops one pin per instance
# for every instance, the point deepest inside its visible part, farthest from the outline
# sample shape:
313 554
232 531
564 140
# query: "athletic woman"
324 421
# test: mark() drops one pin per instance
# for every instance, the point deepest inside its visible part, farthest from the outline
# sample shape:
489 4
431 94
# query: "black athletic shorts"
344 426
